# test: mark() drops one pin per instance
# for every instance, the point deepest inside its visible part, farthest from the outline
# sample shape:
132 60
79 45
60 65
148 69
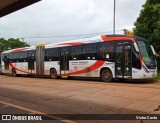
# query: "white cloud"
68 17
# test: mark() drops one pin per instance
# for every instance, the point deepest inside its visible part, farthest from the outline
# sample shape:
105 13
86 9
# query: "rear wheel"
14 74
53 74
106 75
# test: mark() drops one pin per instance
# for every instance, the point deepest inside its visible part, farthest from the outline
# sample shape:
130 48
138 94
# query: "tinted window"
14 55
76 53
52 54
89 51
23 55
106 51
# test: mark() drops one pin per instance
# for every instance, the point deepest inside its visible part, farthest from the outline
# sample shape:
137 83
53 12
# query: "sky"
51 21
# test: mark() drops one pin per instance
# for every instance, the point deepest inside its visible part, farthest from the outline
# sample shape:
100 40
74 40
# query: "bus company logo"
75 67
6 117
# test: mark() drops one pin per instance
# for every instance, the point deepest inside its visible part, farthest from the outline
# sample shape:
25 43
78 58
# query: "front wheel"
106 75
53 74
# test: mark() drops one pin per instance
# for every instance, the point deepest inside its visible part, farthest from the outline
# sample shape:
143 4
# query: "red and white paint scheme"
105 56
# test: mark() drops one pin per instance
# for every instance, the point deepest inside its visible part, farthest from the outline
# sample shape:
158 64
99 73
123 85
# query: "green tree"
11 43
147 24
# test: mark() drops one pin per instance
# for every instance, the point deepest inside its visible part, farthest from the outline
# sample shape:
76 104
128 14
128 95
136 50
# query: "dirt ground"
74 96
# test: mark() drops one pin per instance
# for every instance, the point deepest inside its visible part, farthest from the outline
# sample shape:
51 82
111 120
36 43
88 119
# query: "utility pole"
114 17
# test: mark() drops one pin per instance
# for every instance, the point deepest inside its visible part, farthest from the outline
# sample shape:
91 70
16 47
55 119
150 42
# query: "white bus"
105 56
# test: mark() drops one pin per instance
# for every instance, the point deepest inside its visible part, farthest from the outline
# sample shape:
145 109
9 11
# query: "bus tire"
14 74
53 74
106 75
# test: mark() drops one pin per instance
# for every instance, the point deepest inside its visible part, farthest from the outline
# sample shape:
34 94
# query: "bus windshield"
147 54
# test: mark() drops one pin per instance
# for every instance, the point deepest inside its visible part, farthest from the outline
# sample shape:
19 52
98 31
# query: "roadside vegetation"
148 26
11 43
158 75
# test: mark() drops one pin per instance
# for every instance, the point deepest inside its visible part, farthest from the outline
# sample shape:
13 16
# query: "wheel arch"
101 70
106 74
52 68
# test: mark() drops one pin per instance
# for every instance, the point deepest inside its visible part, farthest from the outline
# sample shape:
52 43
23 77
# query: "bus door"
123 61
64 61
6 62
31 59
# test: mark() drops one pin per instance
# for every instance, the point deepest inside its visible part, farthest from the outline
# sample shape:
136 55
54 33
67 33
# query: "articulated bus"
106 57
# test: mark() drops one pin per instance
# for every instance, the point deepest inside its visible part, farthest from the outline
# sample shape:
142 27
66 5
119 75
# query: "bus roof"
134 37
80 41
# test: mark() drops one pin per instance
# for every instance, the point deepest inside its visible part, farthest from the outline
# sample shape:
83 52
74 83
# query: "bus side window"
48 55
89 51
76 53
14 57
23 56
106 51
52 54
55 54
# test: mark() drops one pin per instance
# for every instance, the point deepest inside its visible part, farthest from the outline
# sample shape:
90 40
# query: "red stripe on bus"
105 38
19 50
72 43
12 66
95 66
141 61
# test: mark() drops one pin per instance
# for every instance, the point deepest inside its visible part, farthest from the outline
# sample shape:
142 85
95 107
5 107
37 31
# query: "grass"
158 75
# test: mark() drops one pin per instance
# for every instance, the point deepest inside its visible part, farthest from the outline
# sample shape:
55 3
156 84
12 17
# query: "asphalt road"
26 95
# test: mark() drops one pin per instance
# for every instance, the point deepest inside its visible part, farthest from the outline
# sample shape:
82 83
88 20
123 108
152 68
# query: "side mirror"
153 50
